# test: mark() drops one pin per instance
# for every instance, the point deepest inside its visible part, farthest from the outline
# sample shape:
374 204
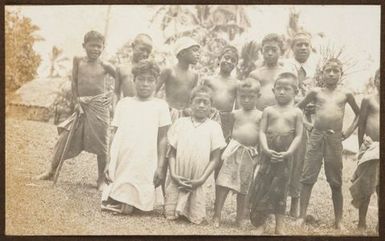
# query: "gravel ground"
73 205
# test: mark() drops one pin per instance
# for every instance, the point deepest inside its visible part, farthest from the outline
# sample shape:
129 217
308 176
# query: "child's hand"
78 107
185 189
344 135
181 181
158 177
107 176
195 183
308 126
272 154
367 141
285 155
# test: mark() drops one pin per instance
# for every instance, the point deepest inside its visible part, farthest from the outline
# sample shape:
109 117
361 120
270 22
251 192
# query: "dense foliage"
21 60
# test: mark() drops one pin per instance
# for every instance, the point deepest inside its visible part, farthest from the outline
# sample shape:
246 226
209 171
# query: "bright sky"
355 27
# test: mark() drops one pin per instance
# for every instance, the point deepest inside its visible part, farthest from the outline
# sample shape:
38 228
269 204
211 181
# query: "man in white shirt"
305 63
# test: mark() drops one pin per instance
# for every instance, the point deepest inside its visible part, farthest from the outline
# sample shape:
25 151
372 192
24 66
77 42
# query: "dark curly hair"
273 37
145 66
93 35
202 89
231 50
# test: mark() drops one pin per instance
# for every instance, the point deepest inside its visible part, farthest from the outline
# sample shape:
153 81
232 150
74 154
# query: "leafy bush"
21 61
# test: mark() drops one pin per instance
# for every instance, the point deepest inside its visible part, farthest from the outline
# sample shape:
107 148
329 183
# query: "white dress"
193 145
134 152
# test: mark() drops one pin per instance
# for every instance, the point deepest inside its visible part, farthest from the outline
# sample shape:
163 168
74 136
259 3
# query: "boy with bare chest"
89 124
280 134
224 88
141 49
239 157
272 46
326 136
365 179
179 80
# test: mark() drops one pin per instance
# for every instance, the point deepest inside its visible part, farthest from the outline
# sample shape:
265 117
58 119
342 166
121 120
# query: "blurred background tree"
21 59
212 26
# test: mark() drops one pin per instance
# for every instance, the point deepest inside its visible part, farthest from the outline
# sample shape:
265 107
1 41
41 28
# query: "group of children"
245 132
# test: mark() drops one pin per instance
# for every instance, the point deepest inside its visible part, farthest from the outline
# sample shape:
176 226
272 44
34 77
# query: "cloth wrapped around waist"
369 150
91 124
365 179
234 145
238 166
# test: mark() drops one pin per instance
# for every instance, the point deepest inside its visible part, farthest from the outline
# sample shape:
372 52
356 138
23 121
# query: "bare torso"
330 109
224 92
178 87
372 128
266 77
126 80
282 120
246 126
91 78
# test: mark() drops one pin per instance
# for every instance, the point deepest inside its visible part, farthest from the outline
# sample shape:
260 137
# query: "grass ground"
73 205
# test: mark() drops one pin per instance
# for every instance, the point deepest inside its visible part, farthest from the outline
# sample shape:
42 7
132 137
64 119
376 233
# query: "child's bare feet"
216 222
339 226
260 230
44 176
100 184
279 225
279 231
171 217
361 226
300 222
127 209
294 211
241 223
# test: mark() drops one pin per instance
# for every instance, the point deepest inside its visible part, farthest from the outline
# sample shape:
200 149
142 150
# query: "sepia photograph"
256 120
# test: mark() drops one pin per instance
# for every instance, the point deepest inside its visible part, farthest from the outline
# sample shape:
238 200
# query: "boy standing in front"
280 134
326 136
239 157
93 99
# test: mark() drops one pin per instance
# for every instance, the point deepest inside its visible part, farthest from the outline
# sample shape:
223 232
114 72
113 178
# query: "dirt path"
73 206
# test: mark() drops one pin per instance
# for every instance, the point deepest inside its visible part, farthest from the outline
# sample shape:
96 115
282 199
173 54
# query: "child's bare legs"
48 175
304 201
338 205
294 207
101 167
242 209
127 209
279 224
362 211
220 198
164 170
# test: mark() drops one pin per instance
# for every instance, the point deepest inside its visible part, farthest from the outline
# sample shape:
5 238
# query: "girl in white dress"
139 144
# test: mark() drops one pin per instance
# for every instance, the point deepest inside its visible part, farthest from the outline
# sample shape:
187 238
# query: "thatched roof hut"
33 100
